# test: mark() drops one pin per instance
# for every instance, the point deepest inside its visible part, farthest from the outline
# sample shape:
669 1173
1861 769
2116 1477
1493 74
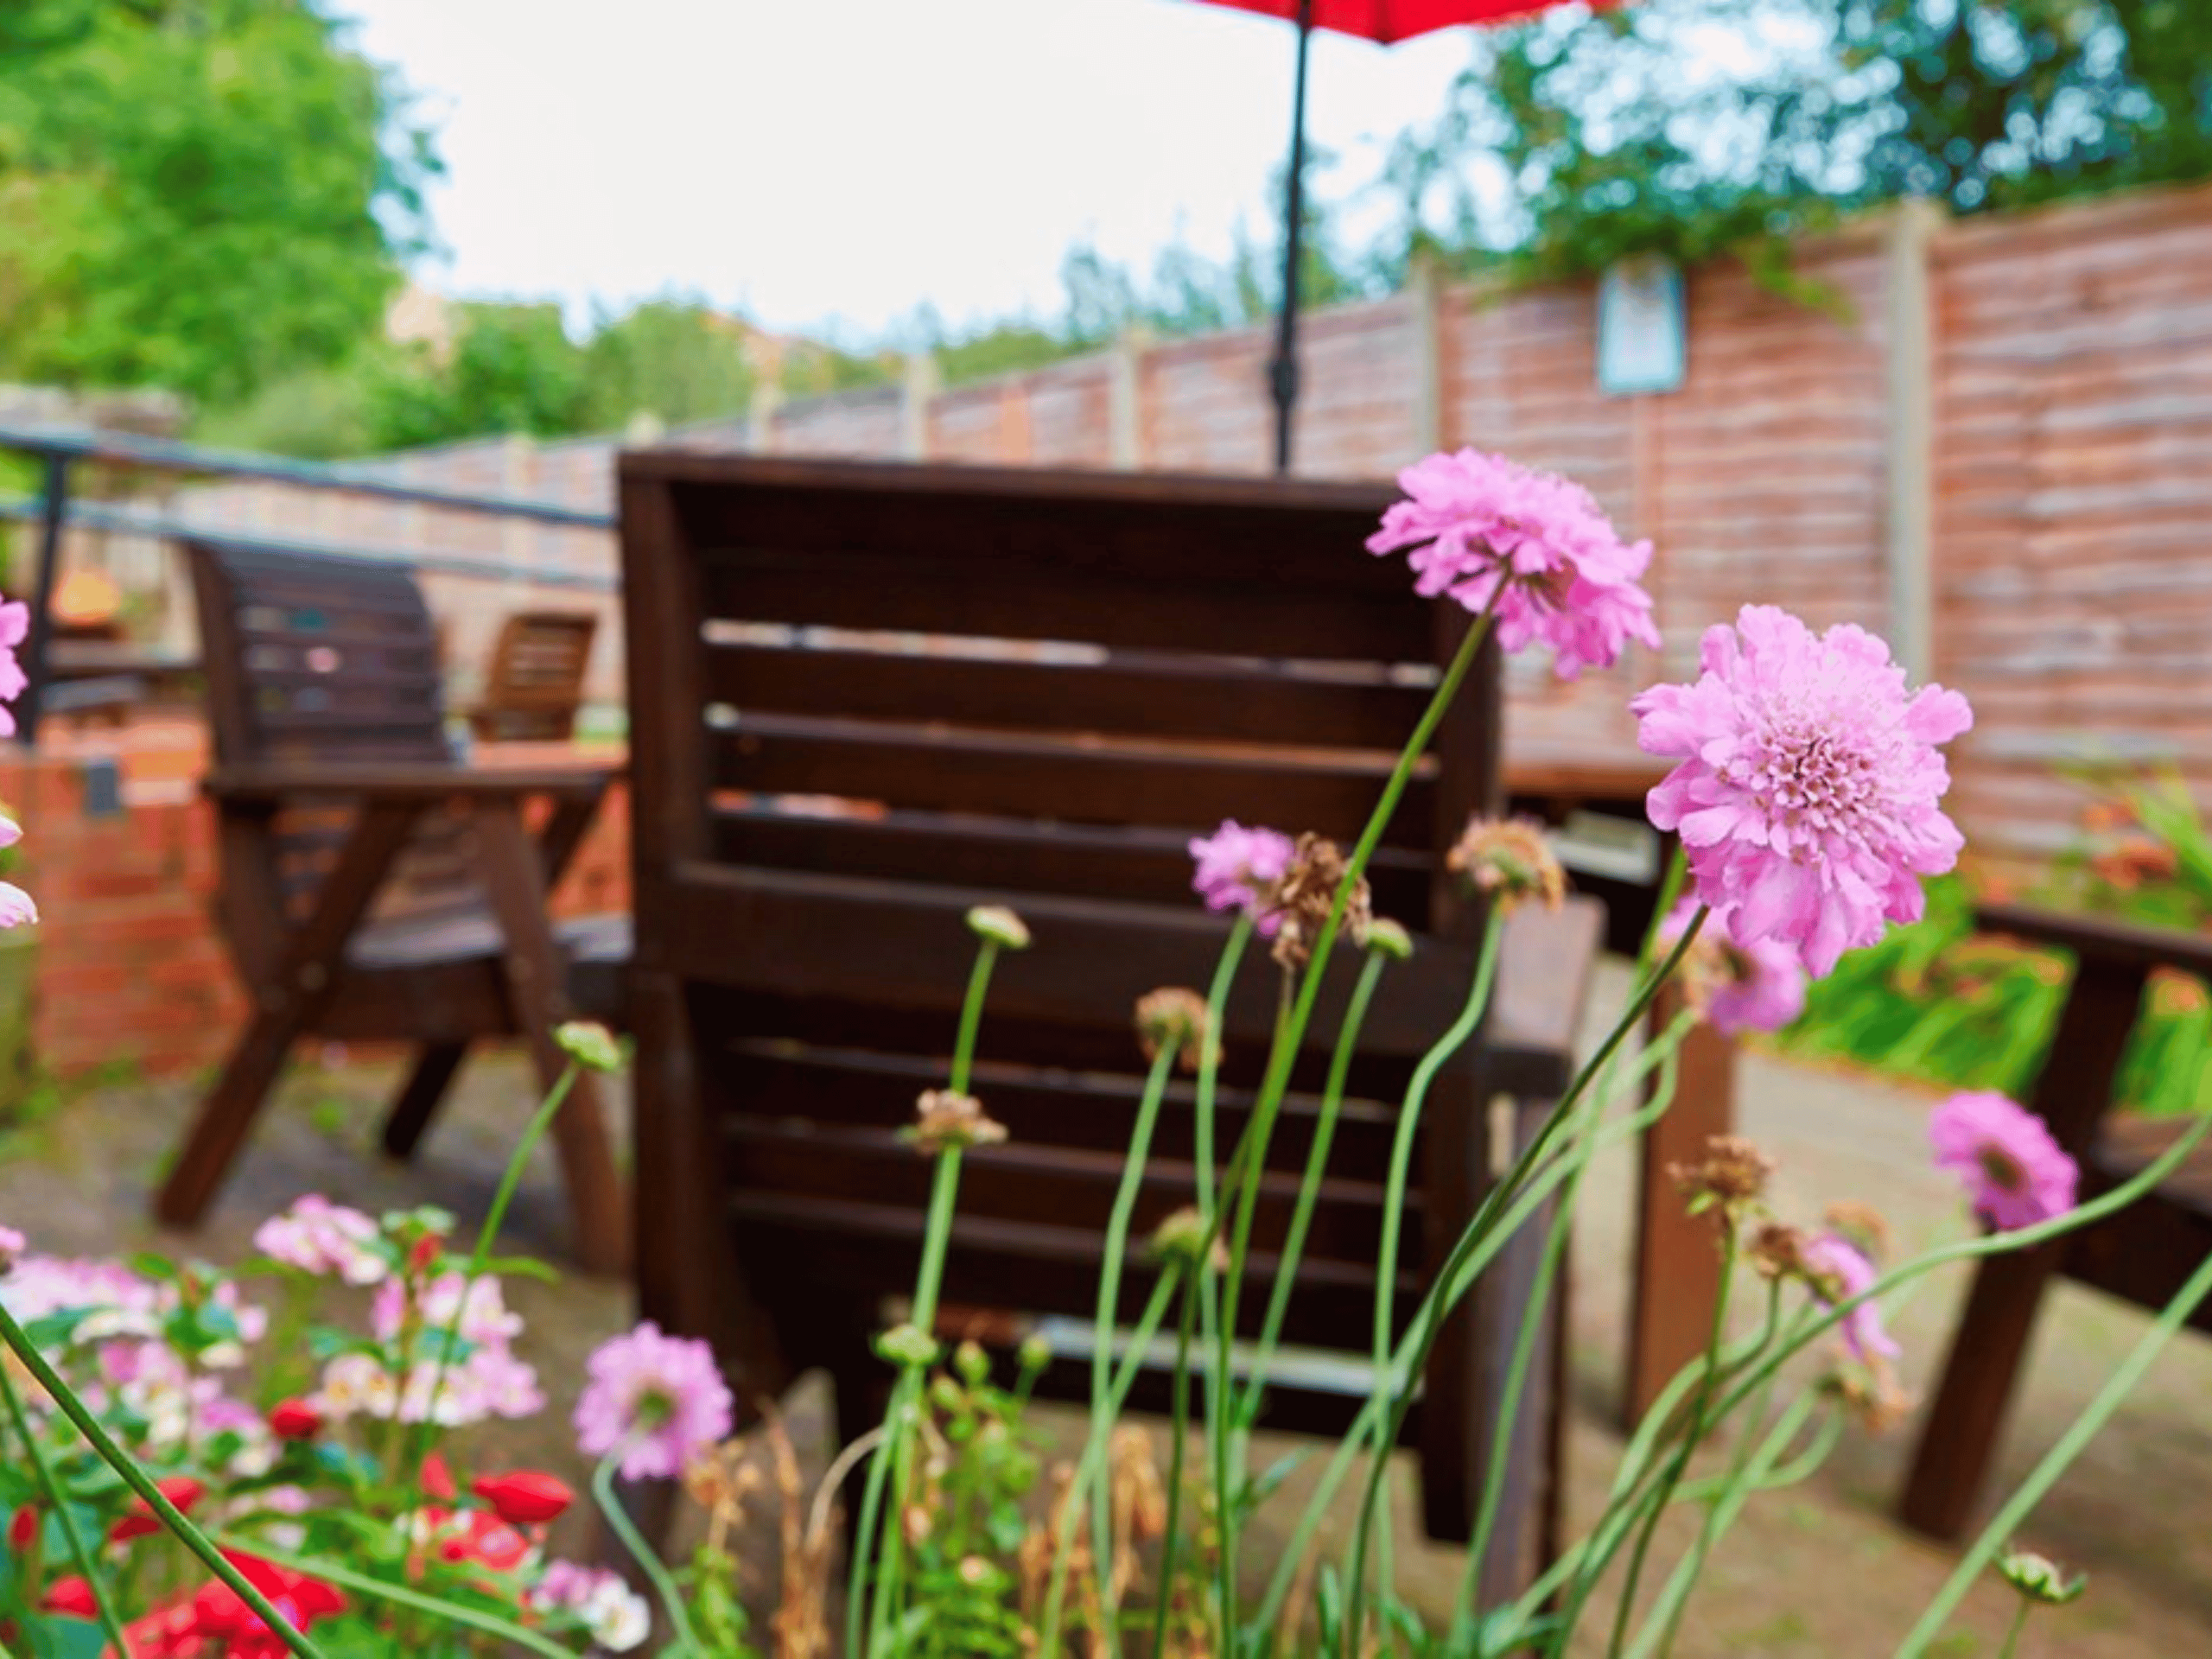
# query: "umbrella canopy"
1386 21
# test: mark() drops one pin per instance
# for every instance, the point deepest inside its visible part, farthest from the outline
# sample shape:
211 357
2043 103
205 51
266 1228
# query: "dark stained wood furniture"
371 889
534 681
1033 687
2143 1254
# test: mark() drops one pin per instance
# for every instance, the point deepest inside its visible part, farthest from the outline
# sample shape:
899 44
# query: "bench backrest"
312 659
534 681
866 697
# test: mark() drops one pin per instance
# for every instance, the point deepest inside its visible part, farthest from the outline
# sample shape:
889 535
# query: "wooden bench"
2143 1254
1033 687
373 890
534 683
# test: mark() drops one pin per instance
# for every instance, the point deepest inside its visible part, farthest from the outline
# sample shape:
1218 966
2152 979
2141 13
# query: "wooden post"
1125 399
1908 315
1424 317
1676 1286
915 397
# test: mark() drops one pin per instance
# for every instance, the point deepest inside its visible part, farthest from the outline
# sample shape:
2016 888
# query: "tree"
676 358
198 195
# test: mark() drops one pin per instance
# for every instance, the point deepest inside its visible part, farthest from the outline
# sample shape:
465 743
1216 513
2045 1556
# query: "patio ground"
1819 1571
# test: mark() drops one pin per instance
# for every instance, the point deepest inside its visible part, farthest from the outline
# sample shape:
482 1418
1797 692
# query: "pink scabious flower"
1842 1271
659 1400
2015 1172
14 627
318 1236
1238 870
1805 796
1737 988
1476 522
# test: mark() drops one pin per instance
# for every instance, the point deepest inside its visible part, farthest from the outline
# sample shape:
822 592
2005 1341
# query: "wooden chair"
2144 1254
534 681
371 889
1033 687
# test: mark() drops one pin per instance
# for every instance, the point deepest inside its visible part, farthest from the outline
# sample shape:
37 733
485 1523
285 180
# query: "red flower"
526 1497
171 1632
426 1251
295 1420
22 1529
489 1541
181 1489
437 1479
71 1596
220 1614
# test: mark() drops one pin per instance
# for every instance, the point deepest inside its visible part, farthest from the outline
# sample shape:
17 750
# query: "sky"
838 162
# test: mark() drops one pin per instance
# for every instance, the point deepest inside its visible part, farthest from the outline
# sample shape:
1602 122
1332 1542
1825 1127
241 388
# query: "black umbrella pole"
1282 374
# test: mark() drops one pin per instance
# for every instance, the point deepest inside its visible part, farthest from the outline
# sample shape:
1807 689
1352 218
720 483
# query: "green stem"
1540 1187
1445 1289
602 1488
142 1485
1217 1378
1180 1422
1693 1432
400 1596
2007 1521
2019 1627
50 1488
971 1016
1109 1288
486 1234
1309 1186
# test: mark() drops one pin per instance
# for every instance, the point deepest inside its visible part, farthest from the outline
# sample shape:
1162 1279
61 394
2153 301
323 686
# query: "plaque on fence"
1641 337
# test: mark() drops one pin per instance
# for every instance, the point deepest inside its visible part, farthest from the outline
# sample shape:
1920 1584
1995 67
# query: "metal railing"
58 449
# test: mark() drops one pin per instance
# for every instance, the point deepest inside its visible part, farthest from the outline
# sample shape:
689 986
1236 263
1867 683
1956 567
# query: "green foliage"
1692 128
198 195
673 358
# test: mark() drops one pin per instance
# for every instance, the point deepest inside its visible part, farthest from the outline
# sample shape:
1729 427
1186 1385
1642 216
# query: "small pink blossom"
659 1400
1843 1268
1806 791
1239 867
1571 584
17 908
318 1236
14 627
2015 1172
1737 988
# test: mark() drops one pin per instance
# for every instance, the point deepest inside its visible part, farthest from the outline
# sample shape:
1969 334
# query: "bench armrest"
2098 939
423 781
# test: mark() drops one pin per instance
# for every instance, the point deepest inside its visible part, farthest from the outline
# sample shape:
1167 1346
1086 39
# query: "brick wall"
131 968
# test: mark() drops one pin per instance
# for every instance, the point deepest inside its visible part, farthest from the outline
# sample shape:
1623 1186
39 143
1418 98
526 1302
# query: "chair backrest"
865 696
315 659
534 681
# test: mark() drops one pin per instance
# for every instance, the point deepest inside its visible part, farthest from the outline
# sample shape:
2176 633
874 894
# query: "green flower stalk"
88 1565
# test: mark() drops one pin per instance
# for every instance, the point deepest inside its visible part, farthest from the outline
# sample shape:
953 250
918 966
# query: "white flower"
616 1616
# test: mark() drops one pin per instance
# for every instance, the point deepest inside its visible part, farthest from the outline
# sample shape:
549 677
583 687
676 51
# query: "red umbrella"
1386 21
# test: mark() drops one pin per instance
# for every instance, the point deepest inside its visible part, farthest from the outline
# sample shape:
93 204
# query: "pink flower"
1570 583
657 1400
1843 1272
1807 793
14 627
16 906
2016 1173
1758 987
318 1236
1239 867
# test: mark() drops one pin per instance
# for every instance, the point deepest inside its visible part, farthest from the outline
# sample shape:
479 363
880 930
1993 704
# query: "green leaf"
151 1264
52 1637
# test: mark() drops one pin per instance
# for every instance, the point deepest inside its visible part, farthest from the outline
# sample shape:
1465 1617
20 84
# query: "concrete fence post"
1125 398
760 435
1908 315
919 391
1424 300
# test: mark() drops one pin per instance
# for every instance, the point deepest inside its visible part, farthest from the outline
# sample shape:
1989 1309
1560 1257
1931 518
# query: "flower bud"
944 1119
997 923
972 1362
524 1497
906 1345
71 1596
1175 1017
1509 862
1035 1353
590 1045
295 1420
2040 1578
22 1529
945 1395
1387 938
140 1521
1182 1235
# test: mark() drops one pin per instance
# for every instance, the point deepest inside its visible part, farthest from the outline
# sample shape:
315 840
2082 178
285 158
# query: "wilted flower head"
1776 1251
1000 926
2040 1578
658 1399
1175 1017
318 1236
1509 860
1837 1272
1872 1394
1736 987
1238 868
2015 1172
1805 796
590 1045
1307 893
1482 526
1862 1226
945 1119
1733 1175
